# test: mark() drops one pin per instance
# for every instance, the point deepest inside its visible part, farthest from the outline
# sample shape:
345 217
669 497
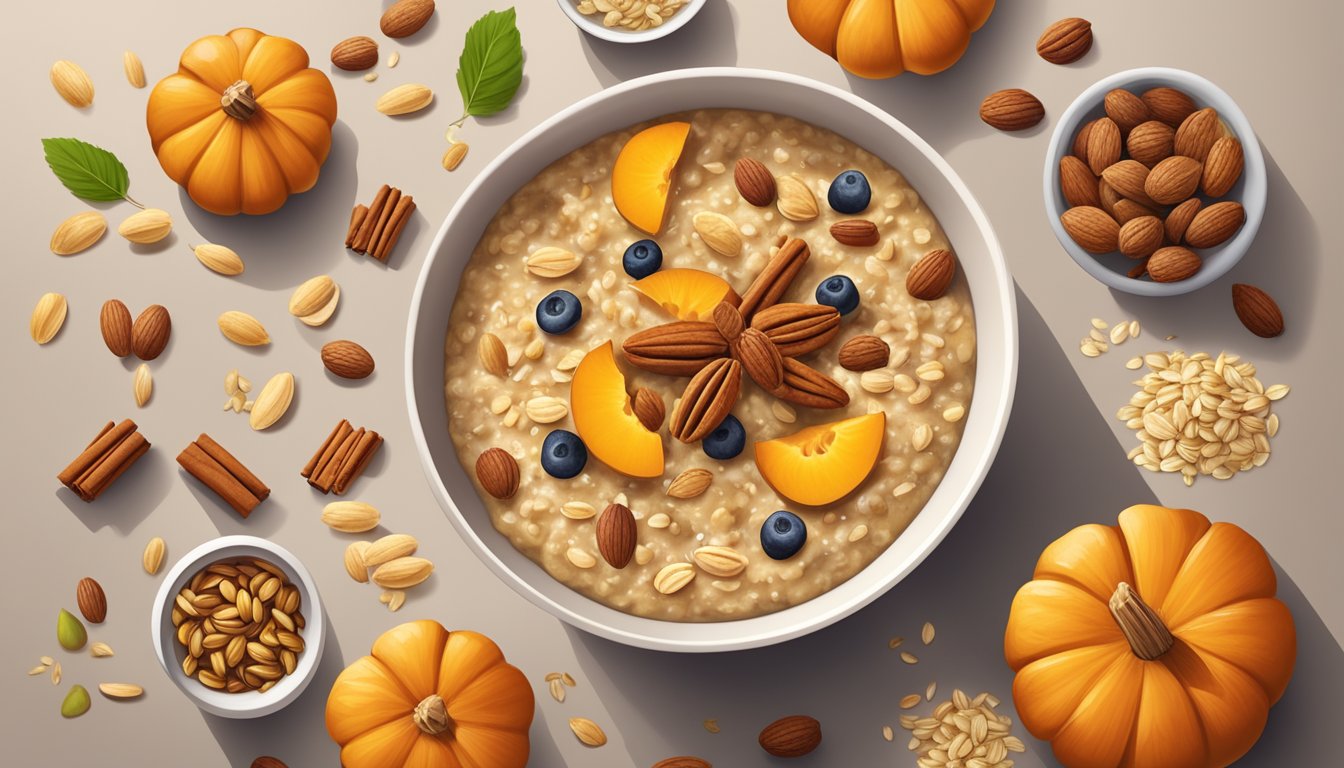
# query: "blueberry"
783 534
849 193
642 259
727 440
563 454
838 291
559 312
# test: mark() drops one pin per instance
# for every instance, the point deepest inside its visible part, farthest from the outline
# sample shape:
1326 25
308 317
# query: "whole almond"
134 68
1223 166
1127 210
354 561
402 573
690 483
792 736
930 277
550 261
115 323
1065 41
148 226
1108 197
244 329
718 232
760 358
72 83
673 577
1129 178
142 385
1173 180
389 548
152 558
856 232
682 761
1140 237
1126 109
311 296
150 332
1092 229
1077 183
91 599
347 359
493 355
219 259
1168 105
351 516
404 99
1103 145
587 731
616 535
405 17
497 472
648 408
864 353
454 155
1080 140
1178 221
795 199
728 319
355 53
724 562
272 402
1011 109
1214 224
78 233
755 183
1197 133
120 690
48 317
1150 143
1172 264
1257 310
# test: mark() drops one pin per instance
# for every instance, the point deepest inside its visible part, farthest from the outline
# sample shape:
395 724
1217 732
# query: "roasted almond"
1223 166
682 761
497 472
272 401
679 348
1108 196
855 232
1178 221
1140 237
930 277
114 321
760 359
1080 140
1197 133
1215 224
1077 182
1065 41
648 408
728 320
72 83
142 385
708 399
690 483
150 332
1103 145
1151 142
1168 105
1257 310
78 233
792 736
1126 109
796 329
616 535
1172 264
243 329
1011 109
355 53
91 599
1129 178
1127 210
134 69
755 183
404 99
347 359
406 17
454 155
1091 228
864 353
1173 180
493 355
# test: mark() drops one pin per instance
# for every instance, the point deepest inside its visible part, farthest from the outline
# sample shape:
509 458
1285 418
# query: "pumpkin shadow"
706 41
305 237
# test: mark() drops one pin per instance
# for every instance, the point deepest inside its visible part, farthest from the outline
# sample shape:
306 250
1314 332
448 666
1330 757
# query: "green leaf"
491 66
89 172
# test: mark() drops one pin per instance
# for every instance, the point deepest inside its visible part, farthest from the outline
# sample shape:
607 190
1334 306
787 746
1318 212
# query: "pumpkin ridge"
205 147
280 126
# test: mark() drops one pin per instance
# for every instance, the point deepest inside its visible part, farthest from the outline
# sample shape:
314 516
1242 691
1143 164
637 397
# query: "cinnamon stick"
356 219
325 478
104 460
329 447
384 215
361 242
207 461
341 458
356 460
104 442
405 208
235 467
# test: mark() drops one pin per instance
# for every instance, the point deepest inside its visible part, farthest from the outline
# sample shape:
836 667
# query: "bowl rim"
1254 182
979 457
675 22
235 705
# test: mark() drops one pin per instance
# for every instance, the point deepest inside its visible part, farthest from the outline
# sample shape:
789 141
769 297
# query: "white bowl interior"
593 24
1251 190
170 653
961 217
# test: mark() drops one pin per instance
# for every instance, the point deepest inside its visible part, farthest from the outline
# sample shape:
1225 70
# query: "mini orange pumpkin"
244 122
1157 643
433 698
883 38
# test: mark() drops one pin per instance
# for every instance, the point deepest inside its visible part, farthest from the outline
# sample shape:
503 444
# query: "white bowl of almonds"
238 626
630 21
1154 181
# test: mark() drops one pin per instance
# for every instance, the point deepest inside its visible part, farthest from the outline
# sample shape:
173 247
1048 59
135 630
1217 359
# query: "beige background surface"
1062 462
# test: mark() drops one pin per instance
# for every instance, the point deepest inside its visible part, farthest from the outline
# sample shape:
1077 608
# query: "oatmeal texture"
569 206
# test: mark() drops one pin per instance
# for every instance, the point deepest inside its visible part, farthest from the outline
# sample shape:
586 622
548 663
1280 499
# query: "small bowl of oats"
630 21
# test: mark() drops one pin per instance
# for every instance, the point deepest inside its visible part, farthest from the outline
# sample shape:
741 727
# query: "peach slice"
642 176
686 294
606 422
822 464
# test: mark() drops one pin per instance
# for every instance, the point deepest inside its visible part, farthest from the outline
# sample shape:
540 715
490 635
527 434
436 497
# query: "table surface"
1062 462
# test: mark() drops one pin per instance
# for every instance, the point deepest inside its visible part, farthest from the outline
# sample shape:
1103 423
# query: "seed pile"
963 732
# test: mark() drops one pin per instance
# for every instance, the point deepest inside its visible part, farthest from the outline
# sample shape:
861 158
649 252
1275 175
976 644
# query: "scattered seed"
557 690
56 673
1134 329
928 692
926 635
910 702
39 669
909 658
587 731
397 600
369 77
1134 363
100 650
394 59
895 642
568 680
887 733
712 725
47 661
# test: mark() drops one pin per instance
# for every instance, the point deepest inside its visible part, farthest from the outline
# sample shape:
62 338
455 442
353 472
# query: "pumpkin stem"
431 715
238 101
1148 636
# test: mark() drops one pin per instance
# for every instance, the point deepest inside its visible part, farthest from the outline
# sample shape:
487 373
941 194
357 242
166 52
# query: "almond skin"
406 17
1077 183
1065 41
1141 236
91 599
1197 133
1223 166
1092 229
1178 221
649 409
1129 178
617 535
1080 141
497 472
347 359
1257 310
1103 145
1168 105
150 332
864 353
1215 224
1172 264
859 233
1108 196
1173 180
754 182
1126 109
1012 109
1127 210
1151 142
115 323
931 275
354 54
792 736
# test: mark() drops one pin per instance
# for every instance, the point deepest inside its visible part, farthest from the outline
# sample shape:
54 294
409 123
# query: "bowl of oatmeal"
711 359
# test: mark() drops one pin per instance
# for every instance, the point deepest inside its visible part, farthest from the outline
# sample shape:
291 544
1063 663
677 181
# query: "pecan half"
759 358
774 281
807 386
709 397
679 348
797 329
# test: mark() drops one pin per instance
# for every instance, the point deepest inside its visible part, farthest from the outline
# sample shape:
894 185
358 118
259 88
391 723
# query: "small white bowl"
1251 189
593 24
250 704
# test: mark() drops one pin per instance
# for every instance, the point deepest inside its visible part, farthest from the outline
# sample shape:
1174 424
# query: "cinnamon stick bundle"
113 450
375 228
341 458
207 461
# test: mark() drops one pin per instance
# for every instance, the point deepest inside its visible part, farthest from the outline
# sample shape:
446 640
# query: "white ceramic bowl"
981 262
593 24
170 653
1251 190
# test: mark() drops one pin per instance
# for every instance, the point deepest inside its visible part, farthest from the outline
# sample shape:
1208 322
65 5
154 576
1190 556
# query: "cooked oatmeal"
925 390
